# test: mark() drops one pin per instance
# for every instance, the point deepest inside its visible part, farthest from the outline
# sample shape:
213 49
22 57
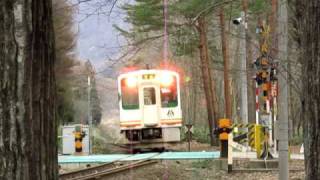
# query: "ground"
200 170
203 169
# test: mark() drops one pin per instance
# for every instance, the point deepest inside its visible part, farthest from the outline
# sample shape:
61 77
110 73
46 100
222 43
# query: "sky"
97 39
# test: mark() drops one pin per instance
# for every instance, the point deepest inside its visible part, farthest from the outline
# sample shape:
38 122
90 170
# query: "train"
150 106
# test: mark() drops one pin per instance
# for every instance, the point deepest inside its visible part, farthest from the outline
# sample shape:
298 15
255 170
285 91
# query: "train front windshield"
168 90
129 94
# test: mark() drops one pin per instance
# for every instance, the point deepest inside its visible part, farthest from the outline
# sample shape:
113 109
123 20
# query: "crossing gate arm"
255 137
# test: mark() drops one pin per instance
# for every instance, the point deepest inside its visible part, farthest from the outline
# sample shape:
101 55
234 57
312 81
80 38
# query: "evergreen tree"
64 45
80 95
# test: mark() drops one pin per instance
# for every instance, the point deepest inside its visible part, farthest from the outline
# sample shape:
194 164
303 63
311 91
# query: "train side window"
169 96
149 96
129 95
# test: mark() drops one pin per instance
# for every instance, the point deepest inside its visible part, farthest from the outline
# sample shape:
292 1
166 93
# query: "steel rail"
81 172
103 170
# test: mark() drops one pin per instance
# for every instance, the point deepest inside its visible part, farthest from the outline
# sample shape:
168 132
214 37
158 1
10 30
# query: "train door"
150 106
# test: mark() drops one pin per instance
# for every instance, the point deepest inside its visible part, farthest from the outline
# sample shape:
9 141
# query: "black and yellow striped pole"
79 134
224 128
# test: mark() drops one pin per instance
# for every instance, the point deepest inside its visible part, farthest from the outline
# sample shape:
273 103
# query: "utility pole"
243 70
165 33
283 94
250 73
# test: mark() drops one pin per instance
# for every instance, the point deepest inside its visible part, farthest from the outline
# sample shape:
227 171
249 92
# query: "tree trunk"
27 119
206 75
310 36
224 42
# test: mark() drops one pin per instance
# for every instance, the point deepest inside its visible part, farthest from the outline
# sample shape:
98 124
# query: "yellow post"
257 134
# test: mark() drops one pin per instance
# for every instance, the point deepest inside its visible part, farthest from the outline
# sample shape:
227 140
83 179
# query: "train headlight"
166 79
131 81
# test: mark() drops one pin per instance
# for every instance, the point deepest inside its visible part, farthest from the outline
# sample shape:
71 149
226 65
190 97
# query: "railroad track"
97 172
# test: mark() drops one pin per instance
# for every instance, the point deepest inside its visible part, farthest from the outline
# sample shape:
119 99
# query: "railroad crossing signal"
266 80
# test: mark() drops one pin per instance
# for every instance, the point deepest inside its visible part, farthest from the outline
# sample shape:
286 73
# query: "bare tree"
27 119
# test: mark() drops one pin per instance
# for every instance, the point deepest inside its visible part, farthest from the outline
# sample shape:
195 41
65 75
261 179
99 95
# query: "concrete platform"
105 158
257 163
91 158
187 155
253 155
